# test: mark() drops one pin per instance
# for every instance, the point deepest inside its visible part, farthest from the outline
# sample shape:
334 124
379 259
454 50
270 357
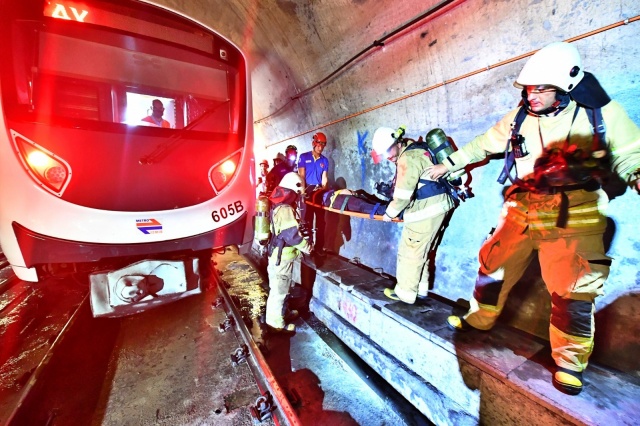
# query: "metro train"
126 148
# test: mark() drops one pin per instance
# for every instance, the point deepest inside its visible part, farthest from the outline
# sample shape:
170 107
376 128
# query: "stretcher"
317 196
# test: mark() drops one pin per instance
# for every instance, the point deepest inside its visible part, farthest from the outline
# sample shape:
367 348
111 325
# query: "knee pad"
572 317
487 289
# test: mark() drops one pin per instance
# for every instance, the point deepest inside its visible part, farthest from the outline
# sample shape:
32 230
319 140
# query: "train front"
125 149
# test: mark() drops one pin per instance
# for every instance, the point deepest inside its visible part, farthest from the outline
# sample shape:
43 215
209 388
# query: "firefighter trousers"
279 285
418 239
574 269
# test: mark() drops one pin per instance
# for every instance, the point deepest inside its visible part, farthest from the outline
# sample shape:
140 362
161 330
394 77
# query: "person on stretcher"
350 200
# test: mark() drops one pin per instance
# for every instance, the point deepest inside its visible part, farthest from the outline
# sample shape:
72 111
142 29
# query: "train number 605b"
225 212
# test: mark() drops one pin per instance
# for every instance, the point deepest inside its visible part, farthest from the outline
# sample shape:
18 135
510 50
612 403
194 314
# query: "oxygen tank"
262 227
440 148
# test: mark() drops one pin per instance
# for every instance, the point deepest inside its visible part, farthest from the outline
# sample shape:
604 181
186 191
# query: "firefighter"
287 165
555 202
423 204
285 246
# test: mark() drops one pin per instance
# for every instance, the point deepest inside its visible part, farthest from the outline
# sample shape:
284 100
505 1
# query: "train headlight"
221 173
46 168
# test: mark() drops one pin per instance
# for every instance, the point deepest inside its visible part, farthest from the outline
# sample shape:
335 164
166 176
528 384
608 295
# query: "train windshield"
102 63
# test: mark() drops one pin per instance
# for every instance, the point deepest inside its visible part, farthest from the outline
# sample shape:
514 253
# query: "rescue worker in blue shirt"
312 168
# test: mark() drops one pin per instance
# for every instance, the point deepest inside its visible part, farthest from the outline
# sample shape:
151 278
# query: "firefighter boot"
568 381
391 294
457 323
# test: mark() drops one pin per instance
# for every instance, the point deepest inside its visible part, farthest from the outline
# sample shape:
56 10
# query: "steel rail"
45 361
258 365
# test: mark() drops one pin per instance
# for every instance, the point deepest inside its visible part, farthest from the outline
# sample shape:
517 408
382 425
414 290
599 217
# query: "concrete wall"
294 44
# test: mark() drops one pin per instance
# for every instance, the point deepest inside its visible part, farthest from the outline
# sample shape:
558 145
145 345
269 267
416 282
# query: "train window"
151 111
106 65
149 72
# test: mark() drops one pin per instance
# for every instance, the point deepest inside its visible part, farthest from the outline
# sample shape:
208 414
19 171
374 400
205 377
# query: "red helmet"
319 138
291 148
265 162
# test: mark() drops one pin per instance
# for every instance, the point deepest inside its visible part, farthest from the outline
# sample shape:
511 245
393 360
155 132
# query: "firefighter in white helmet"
555 203
285 246
423 205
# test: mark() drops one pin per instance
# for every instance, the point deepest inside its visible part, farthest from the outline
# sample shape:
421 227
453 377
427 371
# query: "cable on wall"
455 79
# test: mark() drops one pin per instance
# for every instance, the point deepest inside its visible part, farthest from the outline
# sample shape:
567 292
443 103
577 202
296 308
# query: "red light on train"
47 169
221 174
228 167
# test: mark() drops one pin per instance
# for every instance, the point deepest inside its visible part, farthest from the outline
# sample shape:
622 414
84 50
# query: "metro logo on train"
149 226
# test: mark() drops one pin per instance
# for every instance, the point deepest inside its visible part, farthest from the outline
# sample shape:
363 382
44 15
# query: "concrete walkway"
497 377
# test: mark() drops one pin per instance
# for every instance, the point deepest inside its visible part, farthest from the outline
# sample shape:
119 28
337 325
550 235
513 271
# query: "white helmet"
557 64
382 140
292 181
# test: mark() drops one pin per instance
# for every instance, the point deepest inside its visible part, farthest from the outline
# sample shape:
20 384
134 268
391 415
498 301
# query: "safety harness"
599 139
279 197
431 188
515 142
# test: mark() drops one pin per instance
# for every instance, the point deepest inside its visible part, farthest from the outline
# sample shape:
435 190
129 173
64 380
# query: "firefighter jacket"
285 226
412 167
539 211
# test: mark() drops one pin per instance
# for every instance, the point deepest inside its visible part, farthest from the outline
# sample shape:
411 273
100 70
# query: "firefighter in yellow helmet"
554 206
285 246
423 204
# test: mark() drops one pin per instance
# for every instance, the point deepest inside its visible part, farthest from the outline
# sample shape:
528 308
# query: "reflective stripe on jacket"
540 211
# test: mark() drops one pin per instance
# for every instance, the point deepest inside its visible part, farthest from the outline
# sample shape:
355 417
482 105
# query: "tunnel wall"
294 45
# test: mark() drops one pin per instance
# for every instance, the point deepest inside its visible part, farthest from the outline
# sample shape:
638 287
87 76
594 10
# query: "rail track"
200 360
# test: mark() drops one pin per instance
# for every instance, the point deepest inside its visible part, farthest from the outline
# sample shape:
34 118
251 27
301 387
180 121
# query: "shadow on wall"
431 264
337 226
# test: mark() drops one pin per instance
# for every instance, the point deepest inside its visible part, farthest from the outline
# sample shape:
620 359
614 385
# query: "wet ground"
31 318
171 365
326 382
